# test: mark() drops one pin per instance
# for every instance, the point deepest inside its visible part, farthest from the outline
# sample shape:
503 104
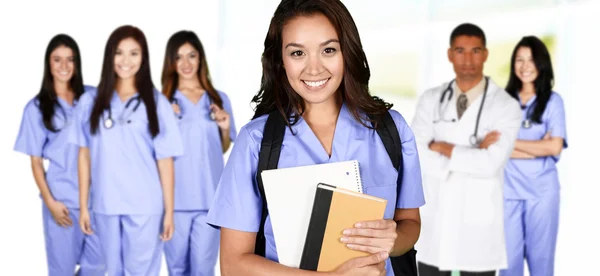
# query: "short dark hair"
467 29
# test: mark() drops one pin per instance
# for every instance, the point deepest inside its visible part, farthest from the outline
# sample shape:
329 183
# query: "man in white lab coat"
465 130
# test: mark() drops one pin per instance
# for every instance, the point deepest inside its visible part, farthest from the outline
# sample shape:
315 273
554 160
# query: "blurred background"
405 42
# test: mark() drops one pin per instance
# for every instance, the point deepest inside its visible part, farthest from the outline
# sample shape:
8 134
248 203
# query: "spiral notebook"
290 195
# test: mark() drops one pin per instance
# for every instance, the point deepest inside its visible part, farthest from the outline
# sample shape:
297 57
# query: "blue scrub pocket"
388 193
137 124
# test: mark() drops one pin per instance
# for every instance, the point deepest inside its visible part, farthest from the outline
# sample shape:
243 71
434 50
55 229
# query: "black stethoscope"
109 123
527 122
180 115
473 138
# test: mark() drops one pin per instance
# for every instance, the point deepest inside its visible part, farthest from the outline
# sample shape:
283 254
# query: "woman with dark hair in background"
531 189
128 137
43 136
207 129
315 76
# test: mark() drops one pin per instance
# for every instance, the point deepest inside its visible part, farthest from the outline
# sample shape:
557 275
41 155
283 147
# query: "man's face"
467 55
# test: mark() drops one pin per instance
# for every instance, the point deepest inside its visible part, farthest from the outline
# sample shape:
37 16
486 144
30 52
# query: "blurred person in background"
127 137
207 129
531 187
465 130
43 135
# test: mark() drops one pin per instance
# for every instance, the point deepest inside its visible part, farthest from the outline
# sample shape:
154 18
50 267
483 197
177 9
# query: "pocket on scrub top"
137 124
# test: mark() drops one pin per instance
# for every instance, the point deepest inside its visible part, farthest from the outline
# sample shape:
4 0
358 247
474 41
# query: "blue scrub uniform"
65 247
237 204
127 198
531 194
195 245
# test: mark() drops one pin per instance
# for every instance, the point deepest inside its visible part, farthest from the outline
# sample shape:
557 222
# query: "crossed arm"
547 146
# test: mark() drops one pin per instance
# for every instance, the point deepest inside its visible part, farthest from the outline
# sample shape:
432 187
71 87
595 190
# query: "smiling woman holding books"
315 80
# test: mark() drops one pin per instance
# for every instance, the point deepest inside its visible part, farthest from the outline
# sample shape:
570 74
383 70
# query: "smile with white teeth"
63 73
126 68
315 83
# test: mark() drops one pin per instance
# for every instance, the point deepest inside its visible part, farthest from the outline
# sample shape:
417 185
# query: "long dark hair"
143 80
276 93
47 99
544 81
169 73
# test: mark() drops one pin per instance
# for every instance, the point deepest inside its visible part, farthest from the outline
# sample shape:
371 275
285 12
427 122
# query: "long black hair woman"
531 190
44 135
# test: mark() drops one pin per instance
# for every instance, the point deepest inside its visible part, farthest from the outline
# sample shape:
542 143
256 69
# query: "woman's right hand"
372 265
84 222
60 213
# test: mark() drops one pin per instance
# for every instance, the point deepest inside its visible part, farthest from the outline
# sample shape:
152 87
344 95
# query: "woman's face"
62 64
187 61
128 58
312 58
525 66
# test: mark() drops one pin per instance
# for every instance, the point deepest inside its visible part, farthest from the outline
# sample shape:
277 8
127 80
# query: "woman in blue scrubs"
43 135
128 137
532 188
316 74
186 82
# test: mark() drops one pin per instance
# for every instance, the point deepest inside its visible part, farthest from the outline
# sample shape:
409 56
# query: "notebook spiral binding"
358 177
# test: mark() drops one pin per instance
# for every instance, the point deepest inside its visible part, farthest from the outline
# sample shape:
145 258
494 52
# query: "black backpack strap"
268 158
405 265
388 132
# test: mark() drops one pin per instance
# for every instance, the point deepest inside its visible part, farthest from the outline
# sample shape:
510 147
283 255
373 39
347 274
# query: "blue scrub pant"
531 228
130 243
194 247
67 247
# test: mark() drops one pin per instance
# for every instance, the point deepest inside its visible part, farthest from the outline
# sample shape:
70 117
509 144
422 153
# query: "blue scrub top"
237 203
197 172
124 174
35 140
532 178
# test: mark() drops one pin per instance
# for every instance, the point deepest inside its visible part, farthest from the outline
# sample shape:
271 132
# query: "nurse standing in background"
43 136
128 137
186 83
531 189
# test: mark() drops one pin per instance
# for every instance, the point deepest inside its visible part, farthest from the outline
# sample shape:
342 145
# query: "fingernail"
351 246
346 232
343 239
358 224
384 255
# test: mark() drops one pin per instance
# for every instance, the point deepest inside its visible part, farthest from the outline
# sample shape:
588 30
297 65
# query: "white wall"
233 32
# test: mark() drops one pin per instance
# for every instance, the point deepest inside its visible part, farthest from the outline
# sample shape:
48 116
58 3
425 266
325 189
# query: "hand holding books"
371 236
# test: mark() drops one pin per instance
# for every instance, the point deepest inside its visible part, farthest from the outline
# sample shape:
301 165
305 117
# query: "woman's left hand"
168 227
221 117
371 236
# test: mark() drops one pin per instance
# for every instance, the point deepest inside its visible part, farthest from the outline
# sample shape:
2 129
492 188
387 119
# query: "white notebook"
290 195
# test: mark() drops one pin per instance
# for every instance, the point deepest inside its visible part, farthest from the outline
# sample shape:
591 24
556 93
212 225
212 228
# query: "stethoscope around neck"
109 123
473 138
527 123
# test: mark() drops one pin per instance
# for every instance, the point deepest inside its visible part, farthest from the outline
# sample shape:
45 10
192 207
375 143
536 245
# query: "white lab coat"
462 220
